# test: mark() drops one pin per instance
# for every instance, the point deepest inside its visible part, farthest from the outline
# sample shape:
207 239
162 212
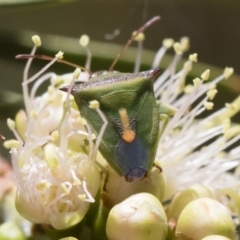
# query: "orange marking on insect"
128 135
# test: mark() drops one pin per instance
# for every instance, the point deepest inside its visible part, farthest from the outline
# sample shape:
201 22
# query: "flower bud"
140 216
56 180
203 217
55 197
11 231
118 189
215 237
68 238
181 199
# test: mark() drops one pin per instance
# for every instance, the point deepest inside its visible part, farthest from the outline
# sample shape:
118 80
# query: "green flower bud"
68 238
181 199
140 216
118 189
215 237
203 217
11 231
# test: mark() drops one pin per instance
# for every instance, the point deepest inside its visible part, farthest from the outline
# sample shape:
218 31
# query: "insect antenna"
140 30
49 58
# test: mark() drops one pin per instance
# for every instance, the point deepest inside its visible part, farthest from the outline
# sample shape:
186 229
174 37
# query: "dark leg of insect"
158 167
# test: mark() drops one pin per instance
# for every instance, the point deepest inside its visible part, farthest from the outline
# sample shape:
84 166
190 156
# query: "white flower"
56 179
191 151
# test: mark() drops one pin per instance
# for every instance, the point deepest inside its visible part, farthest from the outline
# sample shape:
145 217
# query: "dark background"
212 25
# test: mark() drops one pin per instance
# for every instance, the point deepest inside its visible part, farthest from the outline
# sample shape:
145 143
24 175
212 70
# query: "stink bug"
127 100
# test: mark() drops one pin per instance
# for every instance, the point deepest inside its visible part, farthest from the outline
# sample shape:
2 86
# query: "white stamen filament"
138 57
89 58
44 69
158 57
37 84
90 198
25 77
100 135
161 82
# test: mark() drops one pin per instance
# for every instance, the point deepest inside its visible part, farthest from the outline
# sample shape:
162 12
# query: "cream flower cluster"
55 171
56 178
190 150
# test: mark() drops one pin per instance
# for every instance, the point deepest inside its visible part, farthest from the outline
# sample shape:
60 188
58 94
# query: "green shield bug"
127 100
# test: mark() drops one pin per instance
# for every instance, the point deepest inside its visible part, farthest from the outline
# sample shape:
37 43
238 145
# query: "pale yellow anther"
50 156
193 57
11 124
140 37
82 121
84 40
50 89
58 80
197 82
54 135
211 86
37 151
228 133
34 114
76 73
208 105
59 55
44 184
177 48
65 189
212 93
49 99
94 136
236 130
8 144
77 182
228 72
94 104
36 40
184 41
168 42
222 154
226 123
82 197
230 106
205 75
188 88
232 132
